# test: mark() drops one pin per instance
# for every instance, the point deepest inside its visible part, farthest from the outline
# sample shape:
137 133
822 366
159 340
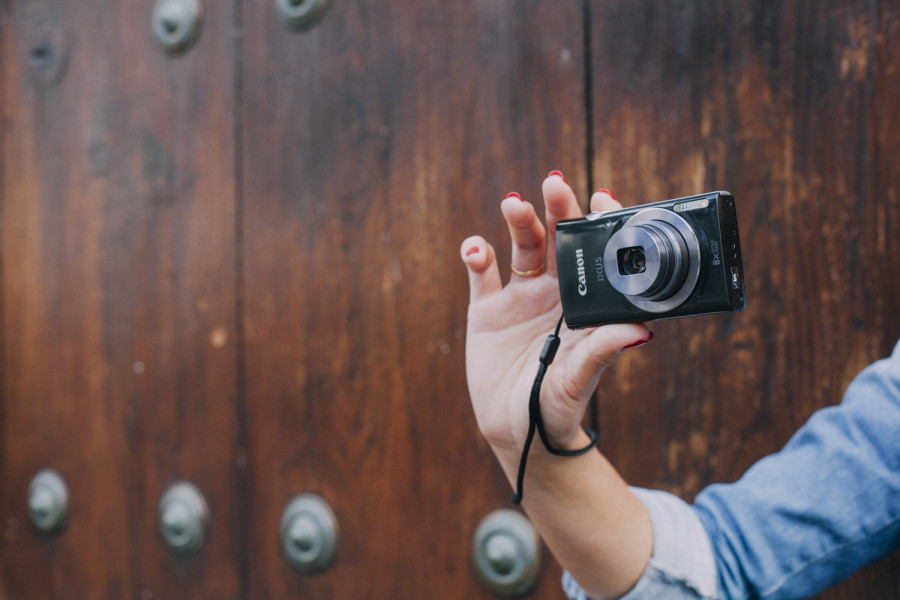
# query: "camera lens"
653 260
632 261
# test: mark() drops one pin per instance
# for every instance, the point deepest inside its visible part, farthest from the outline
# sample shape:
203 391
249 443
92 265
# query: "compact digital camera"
656 261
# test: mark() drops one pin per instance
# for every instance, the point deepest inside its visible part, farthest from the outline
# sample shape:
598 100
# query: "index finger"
560 204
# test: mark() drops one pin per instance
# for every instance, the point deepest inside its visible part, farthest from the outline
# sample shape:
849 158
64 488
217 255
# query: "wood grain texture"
793 108
118 296
373 145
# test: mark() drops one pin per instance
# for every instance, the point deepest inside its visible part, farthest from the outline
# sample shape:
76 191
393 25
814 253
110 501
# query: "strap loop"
536 422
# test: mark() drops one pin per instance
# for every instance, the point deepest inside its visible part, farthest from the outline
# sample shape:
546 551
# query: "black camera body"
668 259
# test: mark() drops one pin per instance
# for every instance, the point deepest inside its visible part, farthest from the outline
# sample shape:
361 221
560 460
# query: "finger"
560 203
604 201
592 354
481 262
527 233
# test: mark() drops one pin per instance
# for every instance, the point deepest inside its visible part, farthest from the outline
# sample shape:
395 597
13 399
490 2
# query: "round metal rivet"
48 501
301 14
176 23
183 518
500 551
309 534
506 553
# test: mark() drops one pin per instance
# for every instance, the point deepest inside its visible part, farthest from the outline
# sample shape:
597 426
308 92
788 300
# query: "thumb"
591 355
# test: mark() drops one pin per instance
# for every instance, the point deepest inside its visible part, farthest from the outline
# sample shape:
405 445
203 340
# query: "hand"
507 327
594 525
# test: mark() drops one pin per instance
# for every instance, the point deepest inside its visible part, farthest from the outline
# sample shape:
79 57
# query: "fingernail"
472 250
514 195
638 343
556 174
607 192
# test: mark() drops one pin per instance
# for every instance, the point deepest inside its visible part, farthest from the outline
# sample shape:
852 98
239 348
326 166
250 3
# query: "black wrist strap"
536 422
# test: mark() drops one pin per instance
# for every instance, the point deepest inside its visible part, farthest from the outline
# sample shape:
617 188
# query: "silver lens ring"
659 260
671 279
673 260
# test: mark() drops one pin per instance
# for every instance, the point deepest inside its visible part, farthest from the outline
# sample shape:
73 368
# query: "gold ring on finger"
531 273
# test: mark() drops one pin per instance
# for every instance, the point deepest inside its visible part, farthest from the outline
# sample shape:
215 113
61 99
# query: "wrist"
578 440
541 462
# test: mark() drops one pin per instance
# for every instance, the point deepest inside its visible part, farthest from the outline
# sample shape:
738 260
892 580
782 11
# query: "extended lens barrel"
668 260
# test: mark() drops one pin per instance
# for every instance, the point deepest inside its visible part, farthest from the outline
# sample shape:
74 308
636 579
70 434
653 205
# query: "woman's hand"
507 327
594 525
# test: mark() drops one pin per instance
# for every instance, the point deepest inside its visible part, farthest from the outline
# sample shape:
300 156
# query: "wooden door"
372 145
119 296
238 265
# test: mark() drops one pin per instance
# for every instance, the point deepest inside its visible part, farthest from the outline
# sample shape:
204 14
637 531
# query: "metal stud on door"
48 502
309 534
183 518
506 553
176 23
301 14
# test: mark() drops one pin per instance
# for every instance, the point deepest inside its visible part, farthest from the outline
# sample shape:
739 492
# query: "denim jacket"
797 521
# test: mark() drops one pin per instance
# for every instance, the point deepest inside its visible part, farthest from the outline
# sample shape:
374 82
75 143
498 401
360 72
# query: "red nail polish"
636 344
514 195
639 342
472 250
557 174
607 192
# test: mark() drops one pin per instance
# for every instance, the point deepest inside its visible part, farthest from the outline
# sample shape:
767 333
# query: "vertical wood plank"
792 107
373 145
118 296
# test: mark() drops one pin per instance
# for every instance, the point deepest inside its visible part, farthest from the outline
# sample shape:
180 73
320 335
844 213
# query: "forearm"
594 525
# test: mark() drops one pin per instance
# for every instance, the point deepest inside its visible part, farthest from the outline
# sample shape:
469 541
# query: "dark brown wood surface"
239 266
794 108
372 146
118 296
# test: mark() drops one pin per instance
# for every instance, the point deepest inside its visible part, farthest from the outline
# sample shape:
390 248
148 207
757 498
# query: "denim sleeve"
682 566
798 521
827 504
